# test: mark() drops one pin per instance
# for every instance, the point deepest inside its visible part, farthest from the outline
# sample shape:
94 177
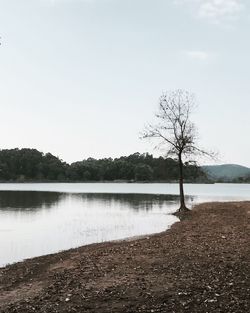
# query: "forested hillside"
32 165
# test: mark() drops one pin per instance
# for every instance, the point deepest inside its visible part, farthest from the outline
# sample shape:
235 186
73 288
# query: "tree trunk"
183 207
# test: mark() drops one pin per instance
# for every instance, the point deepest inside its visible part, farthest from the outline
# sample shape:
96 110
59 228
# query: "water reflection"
133 201
31 200
54 217
35 223
35 200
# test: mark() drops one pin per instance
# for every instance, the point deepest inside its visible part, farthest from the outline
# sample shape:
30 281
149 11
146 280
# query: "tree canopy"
32 165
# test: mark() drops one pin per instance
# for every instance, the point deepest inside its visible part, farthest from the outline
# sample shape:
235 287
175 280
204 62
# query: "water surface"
34 223
201 192
38 219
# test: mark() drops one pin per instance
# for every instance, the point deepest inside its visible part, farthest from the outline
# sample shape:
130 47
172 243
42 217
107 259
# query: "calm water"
37 219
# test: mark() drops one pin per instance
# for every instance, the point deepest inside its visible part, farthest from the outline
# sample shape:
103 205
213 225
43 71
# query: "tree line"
20 165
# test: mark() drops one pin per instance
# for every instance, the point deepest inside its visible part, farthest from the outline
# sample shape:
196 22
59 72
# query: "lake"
38 219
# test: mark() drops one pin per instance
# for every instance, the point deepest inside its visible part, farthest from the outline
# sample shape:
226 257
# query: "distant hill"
226 172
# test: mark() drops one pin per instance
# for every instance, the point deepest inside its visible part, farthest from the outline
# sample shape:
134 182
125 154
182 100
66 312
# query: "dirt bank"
201 265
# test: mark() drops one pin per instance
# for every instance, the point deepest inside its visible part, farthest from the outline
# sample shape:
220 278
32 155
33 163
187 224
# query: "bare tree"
175 130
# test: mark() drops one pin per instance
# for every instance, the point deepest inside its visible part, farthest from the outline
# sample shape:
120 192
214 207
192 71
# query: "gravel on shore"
202 264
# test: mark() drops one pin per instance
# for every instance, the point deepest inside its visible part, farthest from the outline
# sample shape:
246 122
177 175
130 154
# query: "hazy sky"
80 78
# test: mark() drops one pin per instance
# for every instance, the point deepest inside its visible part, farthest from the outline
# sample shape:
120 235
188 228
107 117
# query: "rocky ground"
201 265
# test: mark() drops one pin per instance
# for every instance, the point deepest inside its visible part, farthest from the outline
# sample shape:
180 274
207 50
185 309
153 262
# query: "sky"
81 78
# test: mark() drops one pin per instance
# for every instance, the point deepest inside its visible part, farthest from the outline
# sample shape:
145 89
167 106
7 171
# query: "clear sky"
80 78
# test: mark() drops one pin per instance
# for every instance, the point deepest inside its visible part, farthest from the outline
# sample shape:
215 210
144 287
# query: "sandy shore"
201 264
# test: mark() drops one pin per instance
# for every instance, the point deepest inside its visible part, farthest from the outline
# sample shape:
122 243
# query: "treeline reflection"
133 201
35 200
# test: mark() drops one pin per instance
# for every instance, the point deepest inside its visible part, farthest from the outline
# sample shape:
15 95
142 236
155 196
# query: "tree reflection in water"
35 200
31 200
134 201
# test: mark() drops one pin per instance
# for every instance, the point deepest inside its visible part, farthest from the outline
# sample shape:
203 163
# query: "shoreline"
200 264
